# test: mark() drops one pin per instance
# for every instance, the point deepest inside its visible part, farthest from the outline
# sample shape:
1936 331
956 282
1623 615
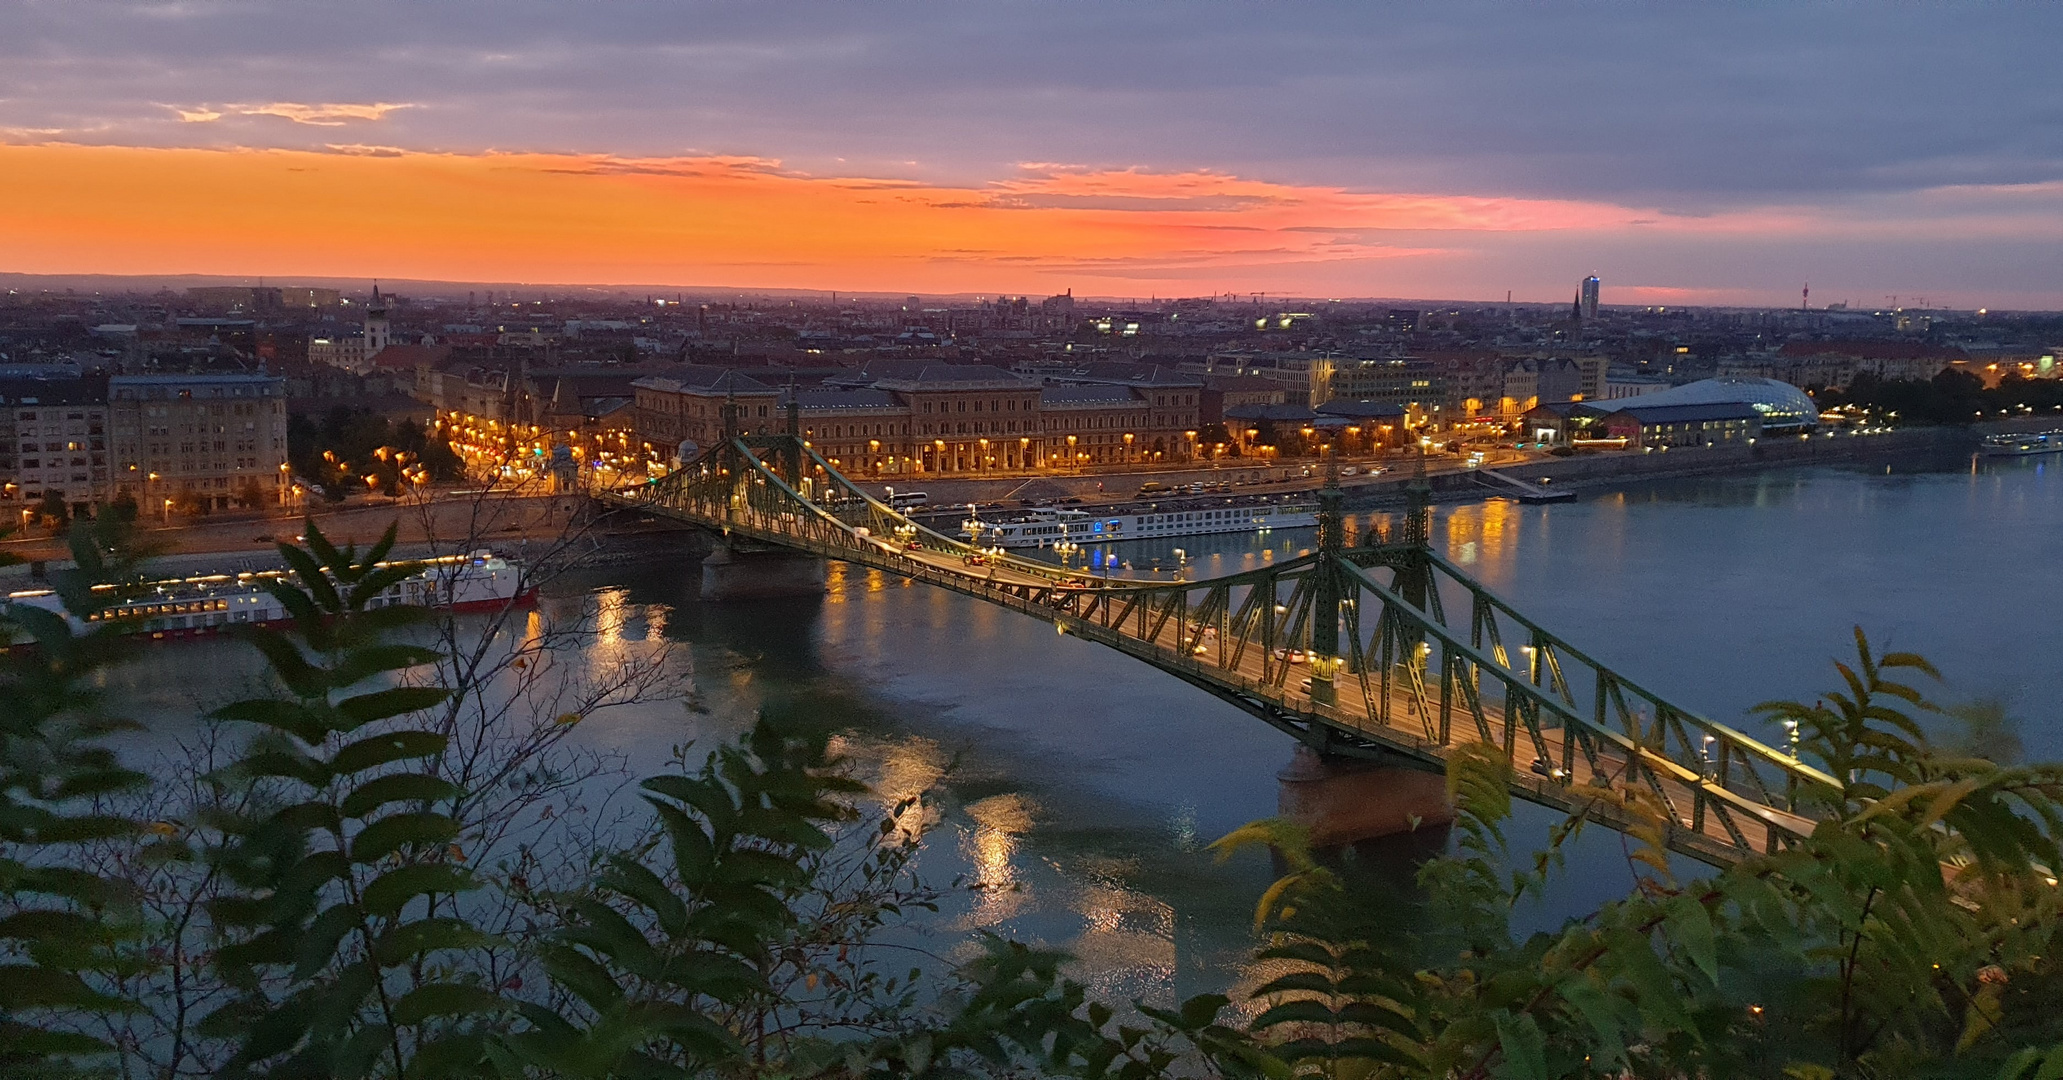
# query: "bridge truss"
1352 650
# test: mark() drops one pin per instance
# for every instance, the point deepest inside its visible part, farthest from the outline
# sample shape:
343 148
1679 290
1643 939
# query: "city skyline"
1687 157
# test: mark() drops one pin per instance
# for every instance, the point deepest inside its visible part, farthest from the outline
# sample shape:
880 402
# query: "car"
1152 486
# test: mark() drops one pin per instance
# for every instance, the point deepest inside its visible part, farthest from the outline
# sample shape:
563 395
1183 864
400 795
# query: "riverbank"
512 523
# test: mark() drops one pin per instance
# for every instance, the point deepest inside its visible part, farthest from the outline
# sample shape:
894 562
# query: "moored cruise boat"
208 604
2047 442
1047 527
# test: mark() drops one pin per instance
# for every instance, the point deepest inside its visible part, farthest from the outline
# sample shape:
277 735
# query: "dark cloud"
1685 107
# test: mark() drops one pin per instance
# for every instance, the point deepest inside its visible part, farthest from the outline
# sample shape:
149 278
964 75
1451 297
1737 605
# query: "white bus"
903 500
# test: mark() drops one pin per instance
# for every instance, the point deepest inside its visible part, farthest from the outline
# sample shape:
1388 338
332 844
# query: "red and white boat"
211 603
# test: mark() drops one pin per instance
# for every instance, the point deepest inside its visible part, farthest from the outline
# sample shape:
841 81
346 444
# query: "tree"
53 510
326 888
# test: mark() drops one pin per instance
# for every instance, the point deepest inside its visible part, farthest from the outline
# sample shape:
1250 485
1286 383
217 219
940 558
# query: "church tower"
376 330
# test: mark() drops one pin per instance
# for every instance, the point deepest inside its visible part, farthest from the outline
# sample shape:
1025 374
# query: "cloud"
369 210
326 115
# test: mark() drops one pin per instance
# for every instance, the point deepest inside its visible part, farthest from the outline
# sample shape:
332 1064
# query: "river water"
1081 787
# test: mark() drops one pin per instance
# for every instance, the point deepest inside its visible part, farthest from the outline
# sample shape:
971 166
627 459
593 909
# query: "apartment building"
53 441
204 441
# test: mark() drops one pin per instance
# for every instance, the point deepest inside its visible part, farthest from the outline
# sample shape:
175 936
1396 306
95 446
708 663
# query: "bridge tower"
742 571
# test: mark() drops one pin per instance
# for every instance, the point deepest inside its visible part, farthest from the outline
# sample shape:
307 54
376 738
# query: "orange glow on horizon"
710 221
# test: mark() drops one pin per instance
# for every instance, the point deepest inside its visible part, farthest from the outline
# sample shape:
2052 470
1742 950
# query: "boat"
1047 527
208 604
2047 442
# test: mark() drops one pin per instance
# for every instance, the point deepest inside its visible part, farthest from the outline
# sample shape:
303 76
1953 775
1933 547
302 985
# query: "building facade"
895 418
203 442
55 443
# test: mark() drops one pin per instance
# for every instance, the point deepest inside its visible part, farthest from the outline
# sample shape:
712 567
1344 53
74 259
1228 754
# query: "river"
1081 787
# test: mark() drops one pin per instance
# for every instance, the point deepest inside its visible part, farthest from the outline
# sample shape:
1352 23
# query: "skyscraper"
1589 301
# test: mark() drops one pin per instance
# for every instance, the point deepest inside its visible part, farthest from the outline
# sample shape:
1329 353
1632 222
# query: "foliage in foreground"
1914 934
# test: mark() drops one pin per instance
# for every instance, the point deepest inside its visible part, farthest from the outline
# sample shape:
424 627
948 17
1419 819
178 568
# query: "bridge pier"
1344 801
731 574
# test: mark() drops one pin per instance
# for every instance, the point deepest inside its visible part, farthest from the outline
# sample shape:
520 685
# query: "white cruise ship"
211 603
1047 527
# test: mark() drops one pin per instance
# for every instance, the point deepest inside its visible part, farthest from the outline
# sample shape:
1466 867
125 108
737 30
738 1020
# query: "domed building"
1783 407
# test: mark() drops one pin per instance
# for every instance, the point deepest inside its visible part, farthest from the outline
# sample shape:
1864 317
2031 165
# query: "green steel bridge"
1406 657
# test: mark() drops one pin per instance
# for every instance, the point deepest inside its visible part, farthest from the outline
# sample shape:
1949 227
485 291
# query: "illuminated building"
202 439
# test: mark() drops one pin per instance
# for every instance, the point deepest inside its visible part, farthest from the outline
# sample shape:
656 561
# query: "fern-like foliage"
59 919
668 962
344 867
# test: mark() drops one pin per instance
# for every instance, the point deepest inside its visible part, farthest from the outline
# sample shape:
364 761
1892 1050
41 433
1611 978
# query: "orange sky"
370 212
366 212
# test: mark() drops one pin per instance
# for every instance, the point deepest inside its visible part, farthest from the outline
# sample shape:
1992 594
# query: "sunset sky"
1686 154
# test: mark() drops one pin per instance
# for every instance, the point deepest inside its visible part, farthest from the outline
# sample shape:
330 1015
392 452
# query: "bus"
904 500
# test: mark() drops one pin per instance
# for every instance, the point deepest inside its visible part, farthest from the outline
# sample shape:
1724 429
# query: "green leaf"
313 580
445 999
587 978
319 941
392 890
290 717
411 939
1524 1046
396 831
635 880
397 701
361 664
1691 926
378 750
396 787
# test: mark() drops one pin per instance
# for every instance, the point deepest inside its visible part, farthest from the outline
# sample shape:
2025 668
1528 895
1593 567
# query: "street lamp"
1128 448
168 511
1072 458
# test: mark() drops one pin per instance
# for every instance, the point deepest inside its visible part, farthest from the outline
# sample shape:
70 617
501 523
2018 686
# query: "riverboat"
211 603
1047 526
2047 442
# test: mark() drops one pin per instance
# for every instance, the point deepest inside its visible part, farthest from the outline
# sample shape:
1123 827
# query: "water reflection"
990 847
1079 786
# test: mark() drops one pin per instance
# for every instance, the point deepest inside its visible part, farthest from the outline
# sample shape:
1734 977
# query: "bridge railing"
1406 676
1520 691
734 486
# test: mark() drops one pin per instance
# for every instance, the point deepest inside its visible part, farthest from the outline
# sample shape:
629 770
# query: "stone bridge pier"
1343 801
732 572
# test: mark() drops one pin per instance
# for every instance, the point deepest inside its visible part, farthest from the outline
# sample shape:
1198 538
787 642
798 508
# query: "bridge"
1403 656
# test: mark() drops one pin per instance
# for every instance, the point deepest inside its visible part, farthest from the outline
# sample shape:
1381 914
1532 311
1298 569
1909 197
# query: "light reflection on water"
1078 786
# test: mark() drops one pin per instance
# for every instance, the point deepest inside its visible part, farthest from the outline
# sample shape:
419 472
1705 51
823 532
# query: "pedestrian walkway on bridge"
1350 649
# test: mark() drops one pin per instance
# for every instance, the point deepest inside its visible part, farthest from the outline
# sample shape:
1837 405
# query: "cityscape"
628 386
845 542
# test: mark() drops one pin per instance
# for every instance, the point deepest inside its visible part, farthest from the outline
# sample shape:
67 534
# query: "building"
200 441
1588 300
683 411
55 442
1716 424
355 352
1315 378
898 417
1779 406
1627 385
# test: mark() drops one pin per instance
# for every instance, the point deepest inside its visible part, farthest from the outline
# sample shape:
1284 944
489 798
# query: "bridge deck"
1408 689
